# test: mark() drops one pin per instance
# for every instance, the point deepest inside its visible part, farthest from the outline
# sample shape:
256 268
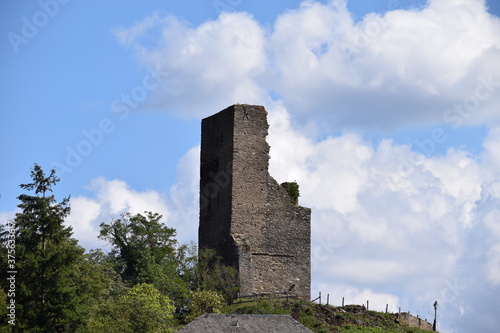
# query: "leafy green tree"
46 256
211 274
140 309
108 314
98 282
145 251
186 260
203 301
150 310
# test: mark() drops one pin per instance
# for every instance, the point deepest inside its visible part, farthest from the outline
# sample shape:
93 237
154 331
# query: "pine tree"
46 256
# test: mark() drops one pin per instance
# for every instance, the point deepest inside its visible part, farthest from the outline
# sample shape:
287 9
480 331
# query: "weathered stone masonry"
245 215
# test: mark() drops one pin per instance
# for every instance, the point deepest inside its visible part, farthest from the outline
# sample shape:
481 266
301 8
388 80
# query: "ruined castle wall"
215 186
268 233
249 193
288 240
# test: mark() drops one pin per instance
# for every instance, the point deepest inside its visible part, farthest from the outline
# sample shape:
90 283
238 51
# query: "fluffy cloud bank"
109 199
211 66
395 231
438 64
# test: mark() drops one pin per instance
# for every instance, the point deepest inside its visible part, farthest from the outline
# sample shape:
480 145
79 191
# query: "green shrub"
201 301
293 191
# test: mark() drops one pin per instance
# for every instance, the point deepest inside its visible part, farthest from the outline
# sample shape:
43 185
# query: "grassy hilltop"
327 318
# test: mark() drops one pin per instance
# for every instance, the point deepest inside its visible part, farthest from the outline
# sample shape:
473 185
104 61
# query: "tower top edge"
246 108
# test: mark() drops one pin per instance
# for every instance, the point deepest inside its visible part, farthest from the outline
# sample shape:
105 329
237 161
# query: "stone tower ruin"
245 215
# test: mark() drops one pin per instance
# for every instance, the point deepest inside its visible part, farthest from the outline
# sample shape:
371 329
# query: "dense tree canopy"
146 283
145 251
140 244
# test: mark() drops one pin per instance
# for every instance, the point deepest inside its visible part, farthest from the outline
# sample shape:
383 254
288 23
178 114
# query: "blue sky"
385 112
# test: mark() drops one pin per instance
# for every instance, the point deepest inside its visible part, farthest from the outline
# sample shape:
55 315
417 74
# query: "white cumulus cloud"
437 64
211 66
109 199
386 218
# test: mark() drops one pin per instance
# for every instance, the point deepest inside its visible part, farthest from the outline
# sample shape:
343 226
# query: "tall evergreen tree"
46 255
